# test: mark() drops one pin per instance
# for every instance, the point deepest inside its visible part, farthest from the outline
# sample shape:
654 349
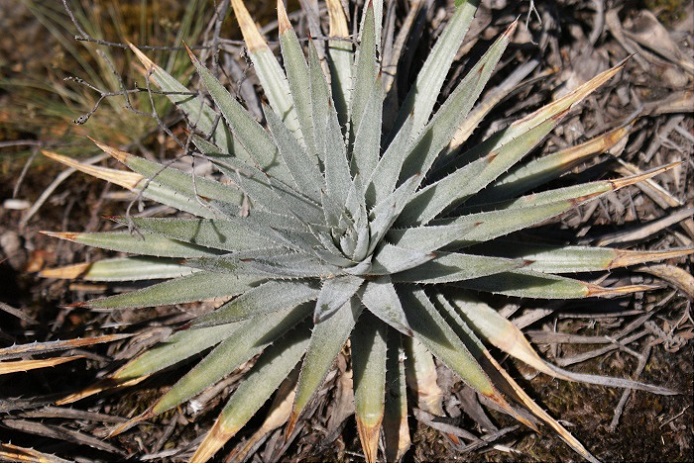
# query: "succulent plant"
348 222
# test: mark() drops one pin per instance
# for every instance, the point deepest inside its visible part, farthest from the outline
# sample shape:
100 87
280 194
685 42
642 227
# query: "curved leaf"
274 365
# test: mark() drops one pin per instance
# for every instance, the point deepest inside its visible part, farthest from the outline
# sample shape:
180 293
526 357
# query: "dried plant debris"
636 123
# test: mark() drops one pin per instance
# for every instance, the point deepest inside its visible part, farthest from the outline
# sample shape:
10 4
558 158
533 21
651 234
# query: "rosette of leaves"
348 223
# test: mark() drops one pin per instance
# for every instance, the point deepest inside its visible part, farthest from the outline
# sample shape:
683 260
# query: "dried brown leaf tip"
252 36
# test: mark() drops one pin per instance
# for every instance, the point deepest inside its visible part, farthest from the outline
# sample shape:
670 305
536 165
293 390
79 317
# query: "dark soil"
575 37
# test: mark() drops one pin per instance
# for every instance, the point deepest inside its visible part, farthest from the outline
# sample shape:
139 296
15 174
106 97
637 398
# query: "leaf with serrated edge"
199 114
320 105
541 170
554 110
500 332
387 211
433 331
149 189
265 299
530 284
335 293
273 196
442 127
327 339
508 217
178 347
180 182
340 58
259 148
492 97
268 70
274 365
283 265
429 238
369 371
141 243
583 192
286 266
302 166
380 298
470 179
384 177
365 69
199 286
120 270
297 78
456 267
565 259
390 259
277 416
425 90
336 167
367 143
249 339
232 234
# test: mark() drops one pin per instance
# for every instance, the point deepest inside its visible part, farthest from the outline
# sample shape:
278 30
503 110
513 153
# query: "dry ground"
576 39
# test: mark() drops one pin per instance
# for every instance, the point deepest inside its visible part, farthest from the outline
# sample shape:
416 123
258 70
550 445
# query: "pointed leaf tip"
511 29
147 63
611 292
125 179
291 424
125 426
191 55
337 19
214 440
631 180
120 155
284 24
252 36
369 436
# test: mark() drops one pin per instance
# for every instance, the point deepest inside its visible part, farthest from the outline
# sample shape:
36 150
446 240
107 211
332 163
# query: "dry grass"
648 336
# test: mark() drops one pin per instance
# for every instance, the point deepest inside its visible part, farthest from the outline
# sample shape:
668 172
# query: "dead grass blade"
650 187
679 278
8 367
52 412
277 417
59 345
14 453
17 313
647 229
98 387
61 433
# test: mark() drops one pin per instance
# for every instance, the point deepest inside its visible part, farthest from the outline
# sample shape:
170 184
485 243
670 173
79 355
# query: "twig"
489 438
25 169
648 229
626 393
599 22
18 313
21 143
618 344
83 36
677 415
